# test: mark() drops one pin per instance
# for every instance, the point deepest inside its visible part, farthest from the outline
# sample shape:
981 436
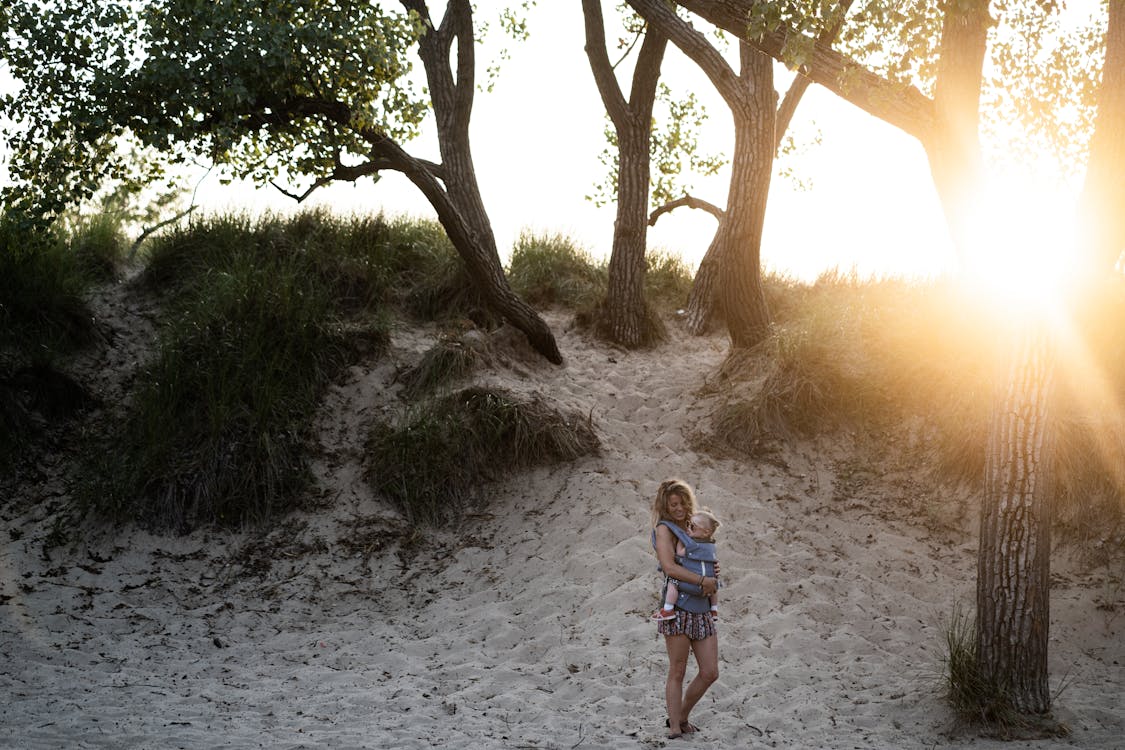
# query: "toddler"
701 528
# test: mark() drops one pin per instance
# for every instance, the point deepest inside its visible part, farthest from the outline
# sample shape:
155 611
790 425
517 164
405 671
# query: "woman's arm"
666 554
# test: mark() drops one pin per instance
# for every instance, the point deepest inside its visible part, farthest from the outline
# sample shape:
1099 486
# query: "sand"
526 626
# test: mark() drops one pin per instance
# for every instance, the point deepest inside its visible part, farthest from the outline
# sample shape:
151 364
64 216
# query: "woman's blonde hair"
660 504
710 516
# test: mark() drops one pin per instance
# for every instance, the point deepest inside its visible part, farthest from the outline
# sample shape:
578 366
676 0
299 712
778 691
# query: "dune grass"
552 270
874 354
260 316
45 274
445 362
433 464
975 700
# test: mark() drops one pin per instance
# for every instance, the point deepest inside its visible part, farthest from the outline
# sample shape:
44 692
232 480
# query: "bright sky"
537 136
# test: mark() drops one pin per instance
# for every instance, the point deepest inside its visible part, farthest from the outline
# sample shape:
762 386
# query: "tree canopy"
290 91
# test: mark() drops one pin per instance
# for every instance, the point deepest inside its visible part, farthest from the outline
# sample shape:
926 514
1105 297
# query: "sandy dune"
526 626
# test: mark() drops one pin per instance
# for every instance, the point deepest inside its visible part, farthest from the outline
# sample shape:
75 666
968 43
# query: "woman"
688 632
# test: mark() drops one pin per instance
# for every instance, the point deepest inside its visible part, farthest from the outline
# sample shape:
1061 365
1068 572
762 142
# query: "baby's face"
699 528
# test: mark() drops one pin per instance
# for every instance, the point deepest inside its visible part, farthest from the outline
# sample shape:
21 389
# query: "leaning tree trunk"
743 298
704 295
457 199
1013 564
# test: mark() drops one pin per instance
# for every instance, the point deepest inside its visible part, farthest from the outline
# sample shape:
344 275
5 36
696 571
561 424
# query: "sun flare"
1021 257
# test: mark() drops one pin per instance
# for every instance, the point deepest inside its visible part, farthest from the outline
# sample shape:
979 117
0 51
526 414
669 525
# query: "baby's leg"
671 595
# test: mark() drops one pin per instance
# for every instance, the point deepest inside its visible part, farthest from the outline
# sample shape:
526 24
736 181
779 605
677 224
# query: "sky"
536 139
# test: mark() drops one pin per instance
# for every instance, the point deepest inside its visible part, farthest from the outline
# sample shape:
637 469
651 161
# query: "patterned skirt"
695 626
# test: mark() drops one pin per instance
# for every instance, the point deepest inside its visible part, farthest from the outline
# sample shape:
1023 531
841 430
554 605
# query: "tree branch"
801 82
147 232
903 106
615 104
690 202
693 44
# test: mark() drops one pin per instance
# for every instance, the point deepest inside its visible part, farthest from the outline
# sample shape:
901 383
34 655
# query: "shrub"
433 463
42 284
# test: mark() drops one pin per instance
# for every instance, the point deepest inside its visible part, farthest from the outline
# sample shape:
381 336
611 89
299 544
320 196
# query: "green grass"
552 270
253 332
45 275
974 699
435 463
667 281
445 362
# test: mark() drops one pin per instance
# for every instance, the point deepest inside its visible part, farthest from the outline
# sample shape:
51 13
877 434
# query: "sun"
1022 256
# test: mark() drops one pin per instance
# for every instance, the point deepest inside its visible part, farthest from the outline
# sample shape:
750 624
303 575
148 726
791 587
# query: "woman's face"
677 509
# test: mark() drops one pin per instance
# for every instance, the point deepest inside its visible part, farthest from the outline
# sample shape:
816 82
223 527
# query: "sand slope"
526 626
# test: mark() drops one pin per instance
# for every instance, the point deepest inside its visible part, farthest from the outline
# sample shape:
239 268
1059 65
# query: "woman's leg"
707 659
678 649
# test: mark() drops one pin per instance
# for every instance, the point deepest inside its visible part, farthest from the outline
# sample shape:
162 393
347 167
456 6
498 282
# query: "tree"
1104 191
730 272
1013 574
303 91
626 318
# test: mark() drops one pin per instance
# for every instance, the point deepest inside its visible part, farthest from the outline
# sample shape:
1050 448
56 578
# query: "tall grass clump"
446 361
99 245
866 353
809 375
45 275
552 270
433 464
253 332
974 698
667 281
42 288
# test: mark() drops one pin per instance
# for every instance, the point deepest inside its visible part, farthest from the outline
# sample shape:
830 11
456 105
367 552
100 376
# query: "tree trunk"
625 317
953 147
732 266
1103 195
744 300
1013 573
730 275
457 199
705 287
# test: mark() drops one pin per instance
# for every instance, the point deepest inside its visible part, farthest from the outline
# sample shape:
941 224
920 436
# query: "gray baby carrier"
699 557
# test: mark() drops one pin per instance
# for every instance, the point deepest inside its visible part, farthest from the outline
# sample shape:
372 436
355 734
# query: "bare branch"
689 201
148 231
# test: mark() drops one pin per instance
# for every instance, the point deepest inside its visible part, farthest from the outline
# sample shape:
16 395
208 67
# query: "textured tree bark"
730 276
705 288
625 317
743 299
732 266
1013 573
1103 195
456 198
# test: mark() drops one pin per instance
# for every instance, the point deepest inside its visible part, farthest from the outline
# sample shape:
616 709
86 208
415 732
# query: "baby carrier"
699 557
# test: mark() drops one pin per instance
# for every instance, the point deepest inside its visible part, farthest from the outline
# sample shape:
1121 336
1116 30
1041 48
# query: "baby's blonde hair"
708 514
